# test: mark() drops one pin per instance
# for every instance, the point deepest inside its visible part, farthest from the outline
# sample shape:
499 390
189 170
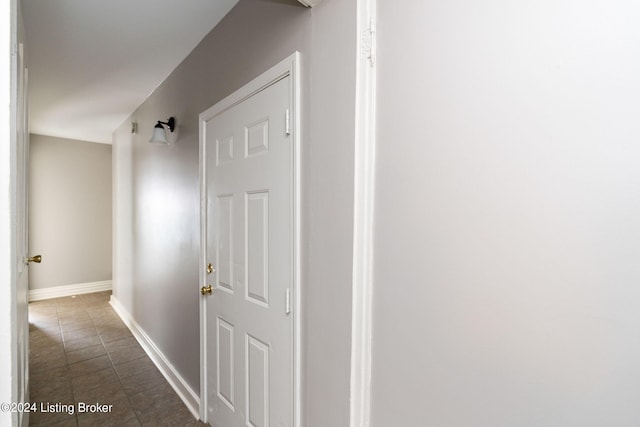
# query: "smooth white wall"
69 212
507 234
157 189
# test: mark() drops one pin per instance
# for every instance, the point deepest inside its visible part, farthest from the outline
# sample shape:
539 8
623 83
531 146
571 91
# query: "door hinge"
287 122
368 44
287 302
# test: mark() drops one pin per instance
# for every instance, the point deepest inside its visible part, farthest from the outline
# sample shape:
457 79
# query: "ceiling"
93 62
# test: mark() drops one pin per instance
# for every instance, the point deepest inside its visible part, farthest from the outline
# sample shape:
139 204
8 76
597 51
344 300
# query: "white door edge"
8 169
289 67
364 182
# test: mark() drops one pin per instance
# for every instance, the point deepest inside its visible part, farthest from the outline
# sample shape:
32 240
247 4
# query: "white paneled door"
249 260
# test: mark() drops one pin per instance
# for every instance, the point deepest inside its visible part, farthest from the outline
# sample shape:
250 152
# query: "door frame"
363 218
14 328
289 67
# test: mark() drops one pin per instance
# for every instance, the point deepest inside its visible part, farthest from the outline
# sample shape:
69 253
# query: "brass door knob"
206 290
37 259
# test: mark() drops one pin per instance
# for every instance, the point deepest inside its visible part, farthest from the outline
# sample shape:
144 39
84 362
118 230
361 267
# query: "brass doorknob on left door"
37 259
206 290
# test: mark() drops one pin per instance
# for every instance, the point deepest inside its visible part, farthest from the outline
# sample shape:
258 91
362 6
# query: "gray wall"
69 212
507 234
157 189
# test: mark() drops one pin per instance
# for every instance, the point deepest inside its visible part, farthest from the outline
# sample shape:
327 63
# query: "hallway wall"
156 212
507 204
70 212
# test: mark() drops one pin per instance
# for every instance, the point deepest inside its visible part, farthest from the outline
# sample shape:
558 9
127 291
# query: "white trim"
204 396
289 67
364 183
9 328
297 237
69 290
180 386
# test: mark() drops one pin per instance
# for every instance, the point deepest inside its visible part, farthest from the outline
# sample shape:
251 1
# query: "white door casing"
249 150
22 238
364 204
14 327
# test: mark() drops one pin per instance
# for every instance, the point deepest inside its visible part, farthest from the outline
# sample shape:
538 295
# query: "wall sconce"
160 131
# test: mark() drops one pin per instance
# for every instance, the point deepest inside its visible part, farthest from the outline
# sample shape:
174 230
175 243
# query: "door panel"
225 359
257 247
249 239
224 243
257 390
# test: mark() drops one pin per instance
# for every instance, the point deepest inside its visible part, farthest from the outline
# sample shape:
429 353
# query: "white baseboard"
186 393
68 290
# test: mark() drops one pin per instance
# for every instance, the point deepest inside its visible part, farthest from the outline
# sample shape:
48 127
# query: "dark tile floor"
82 353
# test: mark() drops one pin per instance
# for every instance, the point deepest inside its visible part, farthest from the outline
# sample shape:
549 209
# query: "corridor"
83 358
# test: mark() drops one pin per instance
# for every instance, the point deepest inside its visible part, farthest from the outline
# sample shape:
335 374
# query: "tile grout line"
113 366
64 350
61 315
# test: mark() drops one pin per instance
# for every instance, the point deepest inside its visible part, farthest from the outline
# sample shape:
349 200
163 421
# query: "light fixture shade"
159 135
